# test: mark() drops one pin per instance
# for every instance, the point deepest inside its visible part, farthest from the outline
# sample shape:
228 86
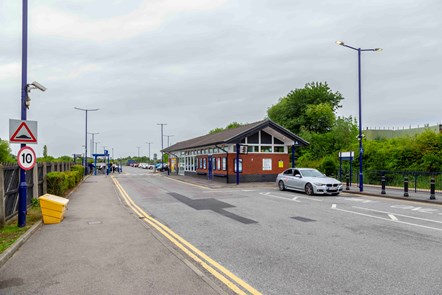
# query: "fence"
35 182
417 180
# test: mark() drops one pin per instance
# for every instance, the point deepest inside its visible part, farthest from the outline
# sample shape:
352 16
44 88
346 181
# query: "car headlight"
319 184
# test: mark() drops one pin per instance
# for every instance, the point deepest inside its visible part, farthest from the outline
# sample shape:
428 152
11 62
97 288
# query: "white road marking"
333 206
295 198
382 218
360 200
269 195
392 217
413 208
407 216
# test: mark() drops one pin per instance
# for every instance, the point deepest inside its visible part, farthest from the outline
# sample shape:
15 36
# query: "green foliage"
329 165
5 152
60 182
310 108
232 125
45 151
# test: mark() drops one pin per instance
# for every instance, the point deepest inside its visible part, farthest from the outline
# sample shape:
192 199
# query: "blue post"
237 163
361 150
24 91
293 156
95 164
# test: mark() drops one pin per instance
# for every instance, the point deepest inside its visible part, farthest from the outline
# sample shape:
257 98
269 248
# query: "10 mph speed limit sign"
26 158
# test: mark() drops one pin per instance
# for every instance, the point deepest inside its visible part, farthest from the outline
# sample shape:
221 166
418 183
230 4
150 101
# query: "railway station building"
260 149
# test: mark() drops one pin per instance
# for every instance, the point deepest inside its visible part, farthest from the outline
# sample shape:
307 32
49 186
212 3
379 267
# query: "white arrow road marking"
382 218
269 195
412 217
392 217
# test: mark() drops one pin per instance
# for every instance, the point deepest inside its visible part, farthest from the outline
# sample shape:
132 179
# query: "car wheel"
309 189
281 185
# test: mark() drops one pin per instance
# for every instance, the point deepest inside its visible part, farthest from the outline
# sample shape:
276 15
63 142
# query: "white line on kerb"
392 217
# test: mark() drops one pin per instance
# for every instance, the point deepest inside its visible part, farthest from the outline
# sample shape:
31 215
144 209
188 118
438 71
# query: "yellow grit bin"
52 208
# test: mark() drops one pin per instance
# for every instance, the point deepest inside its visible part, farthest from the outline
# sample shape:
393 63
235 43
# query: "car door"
297 180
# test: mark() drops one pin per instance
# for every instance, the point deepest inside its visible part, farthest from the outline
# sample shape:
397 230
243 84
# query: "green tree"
45 151
303 106
232 125
5 152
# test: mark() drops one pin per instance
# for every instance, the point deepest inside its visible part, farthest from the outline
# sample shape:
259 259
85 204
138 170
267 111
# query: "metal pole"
149 149
361 149
162 146
293 156
237 163
24 91
138 147
85 139
93 151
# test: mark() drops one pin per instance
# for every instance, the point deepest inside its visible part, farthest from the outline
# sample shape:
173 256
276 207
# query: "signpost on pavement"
26 158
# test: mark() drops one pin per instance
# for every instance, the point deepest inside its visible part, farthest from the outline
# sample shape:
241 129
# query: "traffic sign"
26 158
22 131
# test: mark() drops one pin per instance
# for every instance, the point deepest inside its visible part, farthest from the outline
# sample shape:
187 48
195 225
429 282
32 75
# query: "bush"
57 183
60 182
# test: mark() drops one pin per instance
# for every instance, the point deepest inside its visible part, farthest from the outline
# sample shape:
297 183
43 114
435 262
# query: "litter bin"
52 208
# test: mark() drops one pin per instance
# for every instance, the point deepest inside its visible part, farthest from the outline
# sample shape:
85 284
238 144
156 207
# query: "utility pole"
149 143
168 136
85 140
138 147
162 146
93 151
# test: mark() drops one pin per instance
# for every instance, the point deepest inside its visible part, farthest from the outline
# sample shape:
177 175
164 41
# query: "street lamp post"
96 144
85 143
149 143
361 150
93 151
168 136
138 147
162 146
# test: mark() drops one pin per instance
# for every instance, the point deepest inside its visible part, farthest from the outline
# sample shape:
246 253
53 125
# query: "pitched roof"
235 135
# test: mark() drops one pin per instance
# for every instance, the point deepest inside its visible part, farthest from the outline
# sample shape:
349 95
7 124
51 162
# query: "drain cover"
303 219
94 222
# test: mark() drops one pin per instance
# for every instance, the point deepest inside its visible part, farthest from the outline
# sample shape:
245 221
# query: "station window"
278 149
266 149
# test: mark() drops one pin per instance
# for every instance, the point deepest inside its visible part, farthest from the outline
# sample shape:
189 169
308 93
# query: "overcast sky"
197 65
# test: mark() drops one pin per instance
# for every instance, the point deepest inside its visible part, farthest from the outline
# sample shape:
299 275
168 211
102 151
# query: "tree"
5 152
232 125
45 151
313 103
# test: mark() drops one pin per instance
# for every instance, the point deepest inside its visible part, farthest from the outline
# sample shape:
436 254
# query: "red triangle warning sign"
23 135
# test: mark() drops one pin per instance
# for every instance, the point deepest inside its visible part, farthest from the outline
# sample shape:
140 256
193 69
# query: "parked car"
159 168
308 180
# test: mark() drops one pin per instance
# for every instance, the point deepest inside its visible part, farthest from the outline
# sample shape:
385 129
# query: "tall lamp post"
85 139
162 146
168 136
149 143
361 150
93 151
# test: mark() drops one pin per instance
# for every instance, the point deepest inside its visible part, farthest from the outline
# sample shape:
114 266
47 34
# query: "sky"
196 65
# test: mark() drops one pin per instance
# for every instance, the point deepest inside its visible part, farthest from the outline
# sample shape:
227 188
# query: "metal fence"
35 181
417 180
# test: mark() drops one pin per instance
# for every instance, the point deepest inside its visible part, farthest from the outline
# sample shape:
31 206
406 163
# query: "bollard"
406 187
383 185
432 189
347 183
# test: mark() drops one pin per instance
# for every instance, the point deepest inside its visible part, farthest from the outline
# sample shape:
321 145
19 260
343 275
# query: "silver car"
308 180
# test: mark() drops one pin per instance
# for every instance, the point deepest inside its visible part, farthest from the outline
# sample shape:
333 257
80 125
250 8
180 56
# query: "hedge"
60 182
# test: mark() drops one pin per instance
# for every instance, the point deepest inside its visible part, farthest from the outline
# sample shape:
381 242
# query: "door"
209 167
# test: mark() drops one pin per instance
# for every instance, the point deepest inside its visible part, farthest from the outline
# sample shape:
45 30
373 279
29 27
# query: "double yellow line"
218 271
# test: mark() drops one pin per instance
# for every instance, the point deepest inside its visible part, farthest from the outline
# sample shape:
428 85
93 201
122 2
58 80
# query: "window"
204 163
266 138
214 163
218 163
240 165
253 138
266 149
277 141
224 164
288 172
278 149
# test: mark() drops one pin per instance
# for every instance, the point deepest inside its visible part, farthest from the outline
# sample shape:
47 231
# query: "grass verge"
11 232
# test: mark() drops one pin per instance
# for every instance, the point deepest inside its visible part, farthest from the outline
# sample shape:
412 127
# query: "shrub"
57 183
80 170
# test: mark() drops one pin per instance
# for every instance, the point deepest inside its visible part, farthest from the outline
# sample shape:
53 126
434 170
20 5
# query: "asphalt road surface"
290 243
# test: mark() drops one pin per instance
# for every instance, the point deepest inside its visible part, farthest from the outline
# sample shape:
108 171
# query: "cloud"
150 15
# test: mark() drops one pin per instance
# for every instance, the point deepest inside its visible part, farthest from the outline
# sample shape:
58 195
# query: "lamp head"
340 43
378 49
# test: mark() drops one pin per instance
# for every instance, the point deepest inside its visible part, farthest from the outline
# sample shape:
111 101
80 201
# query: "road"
290 243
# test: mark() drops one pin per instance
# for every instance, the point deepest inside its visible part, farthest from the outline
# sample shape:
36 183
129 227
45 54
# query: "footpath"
100 249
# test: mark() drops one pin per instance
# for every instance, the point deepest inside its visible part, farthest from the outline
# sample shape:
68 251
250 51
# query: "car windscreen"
312 173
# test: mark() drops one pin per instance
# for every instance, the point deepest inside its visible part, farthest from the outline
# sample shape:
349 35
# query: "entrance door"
209 167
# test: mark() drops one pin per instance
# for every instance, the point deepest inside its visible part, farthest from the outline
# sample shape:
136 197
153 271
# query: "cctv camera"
38 86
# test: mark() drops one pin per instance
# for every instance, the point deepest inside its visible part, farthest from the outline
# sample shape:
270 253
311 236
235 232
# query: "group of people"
111 167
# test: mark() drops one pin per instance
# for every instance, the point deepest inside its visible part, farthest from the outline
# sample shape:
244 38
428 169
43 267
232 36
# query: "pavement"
101 247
